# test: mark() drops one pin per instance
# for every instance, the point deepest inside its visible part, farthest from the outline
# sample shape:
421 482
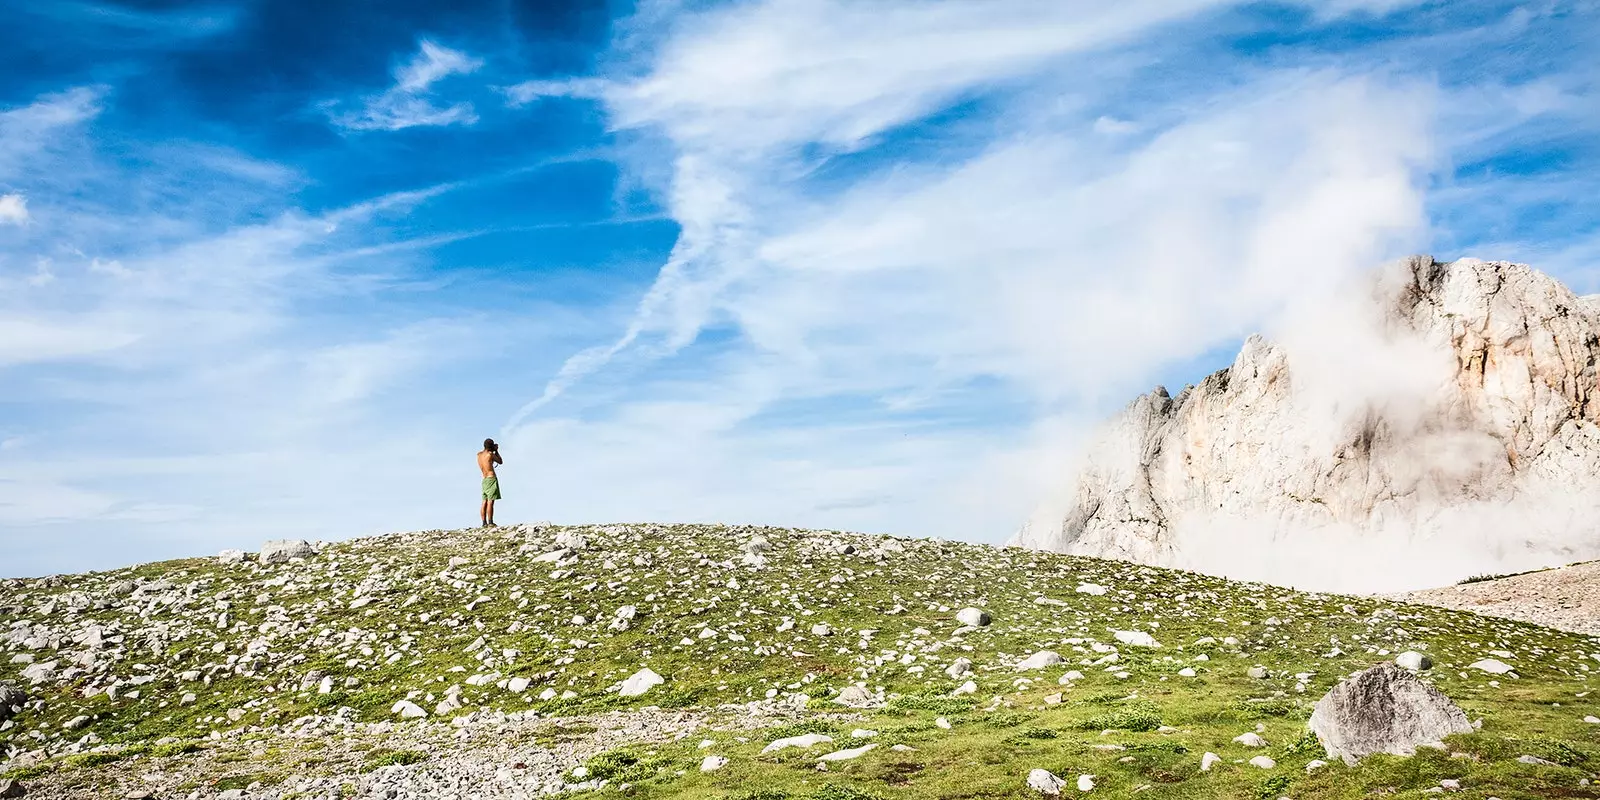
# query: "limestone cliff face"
1456 435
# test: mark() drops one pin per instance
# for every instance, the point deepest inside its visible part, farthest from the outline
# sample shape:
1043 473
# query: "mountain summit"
1438 426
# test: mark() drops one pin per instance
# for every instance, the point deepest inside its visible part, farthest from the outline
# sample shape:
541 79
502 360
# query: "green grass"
1102 724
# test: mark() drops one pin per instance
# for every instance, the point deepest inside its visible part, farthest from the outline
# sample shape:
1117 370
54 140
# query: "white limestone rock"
1041 660
803 741
1045 782
973 617
1493 666
640 682
279 551
1413 661
1450 403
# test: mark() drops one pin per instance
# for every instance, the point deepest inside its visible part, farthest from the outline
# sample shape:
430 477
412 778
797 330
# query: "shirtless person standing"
489 457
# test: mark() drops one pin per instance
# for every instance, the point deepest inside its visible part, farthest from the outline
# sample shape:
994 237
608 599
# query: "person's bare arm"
496 457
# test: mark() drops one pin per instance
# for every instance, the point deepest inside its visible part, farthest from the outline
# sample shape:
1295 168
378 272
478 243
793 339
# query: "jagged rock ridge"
1448 431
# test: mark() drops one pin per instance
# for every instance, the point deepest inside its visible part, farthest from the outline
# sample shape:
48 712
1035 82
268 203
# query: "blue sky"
276 269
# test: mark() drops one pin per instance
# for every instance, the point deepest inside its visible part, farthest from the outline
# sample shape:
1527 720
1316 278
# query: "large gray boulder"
1385 709
279 551
1412 424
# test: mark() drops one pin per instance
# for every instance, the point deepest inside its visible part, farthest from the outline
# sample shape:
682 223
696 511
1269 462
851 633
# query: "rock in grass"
973 617
640 682
854 697
1085 783
1208 761
1385 709
1413 661
408 710
1046 783
713 763
1263 762
1251 739
1493 666
803 740
1136 638
12 788
959 667
1091 588
850 754
1041 660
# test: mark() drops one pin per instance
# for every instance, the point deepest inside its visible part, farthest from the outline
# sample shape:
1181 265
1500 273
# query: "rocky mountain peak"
1436 424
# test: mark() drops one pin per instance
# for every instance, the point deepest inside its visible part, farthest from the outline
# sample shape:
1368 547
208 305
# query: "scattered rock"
408 710
1136 638
1493 666
1413 661
1263 762
1045 783
850 754
279 551
713 763
1041 660
973 617
804 741
1208 761
640 682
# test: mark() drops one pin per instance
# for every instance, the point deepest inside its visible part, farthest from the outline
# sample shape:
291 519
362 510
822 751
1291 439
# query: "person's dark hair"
488 444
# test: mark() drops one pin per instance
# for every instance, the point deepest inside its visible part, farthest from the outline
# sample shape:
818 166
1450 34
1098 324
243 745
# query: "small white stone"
1091 588
1085 783
713 763
1209 760
640 682
1263 762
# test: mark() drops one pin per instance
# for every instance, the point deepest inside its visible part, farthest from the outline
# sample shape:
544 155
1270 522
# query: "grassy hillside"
169 668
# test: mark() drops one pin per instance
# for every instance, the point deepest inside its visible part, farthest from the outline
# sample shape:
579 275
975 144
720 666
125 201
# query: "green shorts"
491 488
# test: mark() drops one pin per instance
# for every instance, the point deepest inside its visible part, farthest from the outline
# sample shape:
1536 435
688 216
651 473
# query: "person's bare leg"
489 505
483 513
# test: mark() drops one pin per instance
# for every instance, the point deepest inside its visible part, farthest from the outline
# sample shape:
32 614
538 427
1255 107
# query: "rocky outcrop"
1385 709
1444 428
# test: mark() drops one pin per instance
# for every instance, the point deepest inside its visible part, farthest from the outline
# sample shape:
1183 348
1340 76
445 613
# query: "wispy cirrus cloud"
410 102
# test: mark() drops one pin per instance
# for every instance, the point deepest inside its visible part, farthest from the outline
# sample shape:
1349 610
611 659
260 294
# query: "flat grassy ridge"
165 661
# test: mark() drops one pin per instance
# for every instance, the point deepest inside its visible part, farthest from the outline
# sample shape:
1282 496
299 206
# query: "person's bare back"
488 457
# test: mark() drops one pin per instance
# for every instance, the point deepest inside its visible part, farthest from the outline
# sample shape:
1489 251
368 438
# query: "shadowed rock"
1385 709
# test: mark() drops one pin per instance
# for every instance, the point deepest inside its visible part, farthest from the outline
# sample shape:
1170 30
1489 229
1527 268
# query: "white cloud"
29 340
408 103
1062 265
13 209
28 131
